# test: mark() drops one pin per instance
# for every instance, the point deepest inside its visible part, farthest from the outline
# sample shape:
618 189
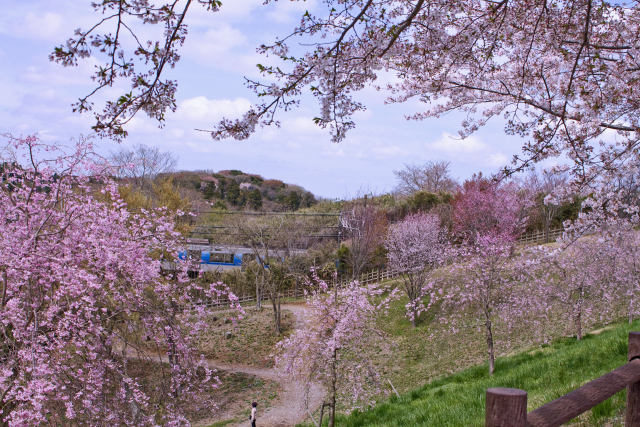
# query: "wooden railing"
538 237
224 303
378 275
507 407
373 276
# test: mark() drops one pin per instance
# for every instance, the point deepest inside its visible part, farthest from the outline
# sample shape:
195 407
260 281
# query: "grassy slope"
545 373
252 340
235 395
431 349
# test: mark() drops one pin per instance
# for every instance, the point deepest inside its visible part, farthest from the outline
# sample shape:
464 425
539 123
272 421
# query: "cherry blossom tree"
485 288
335 345
559 71
488 217
416 246
622 248
485 207
579 279
543 186
83 301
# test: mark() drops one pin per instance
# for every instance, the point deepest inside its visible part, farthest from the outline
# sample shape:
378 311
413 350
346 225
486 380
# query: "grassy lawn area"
546 373
431 349
251 340
235 395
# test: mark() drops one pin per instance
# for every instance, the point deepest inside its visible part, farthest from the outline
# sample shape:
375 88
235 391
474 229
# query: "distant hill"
237 190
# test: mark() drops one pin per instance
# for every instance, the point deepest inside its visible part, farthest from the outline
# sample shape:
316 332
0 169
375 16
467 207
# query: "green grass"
252 338
234 398
223 423
546 373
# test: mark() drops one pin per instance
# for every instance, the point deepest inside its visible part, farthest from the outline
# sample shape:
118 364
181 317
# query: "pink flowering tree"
83 302
579 280
416 246
558 71
487 218
486 207
334 348
621 248
486 289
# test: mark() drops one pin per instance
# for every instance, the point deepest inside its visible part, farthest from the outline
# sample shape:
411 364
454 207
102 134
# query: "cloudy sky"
220 50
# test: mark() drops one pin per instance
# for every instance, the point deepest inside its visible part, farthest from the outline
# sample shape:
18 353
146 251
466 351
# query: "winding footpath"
290 408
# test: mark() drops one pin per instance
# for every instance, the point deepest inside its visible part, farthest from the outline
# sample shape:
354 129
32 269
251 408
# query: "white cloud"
224 48
450 144
50 74
285 12
303 125
497 160
213 43
204 111
471 151
142 123
231 10
385 151
41 25
46 25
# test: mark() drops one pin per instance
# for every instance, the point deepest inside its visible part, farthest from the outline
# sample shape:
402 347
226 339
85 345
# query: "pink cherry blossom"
83 299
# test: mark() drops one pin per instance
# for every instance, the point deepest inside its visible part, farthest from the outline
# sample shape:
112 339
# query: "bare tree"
432 176
142 163
545 184
272 240
365 228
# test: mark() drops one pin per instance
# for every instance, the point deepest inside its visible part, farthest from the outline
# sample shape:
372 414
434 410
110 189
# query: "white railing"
373 276
378 275
538 237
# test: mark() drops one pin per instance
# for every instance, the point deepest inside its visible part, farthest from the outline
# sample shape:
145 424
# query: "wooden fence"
374 276
539 237
378 275
507 407
225 303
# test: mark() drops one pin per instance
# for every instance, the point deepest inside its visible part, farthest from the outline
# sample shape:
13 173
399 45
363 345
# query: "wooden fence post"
506 407
632 416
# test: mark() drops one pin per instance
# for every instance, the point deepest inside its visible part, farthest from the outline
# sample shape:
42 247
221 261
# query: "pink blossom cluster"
416 246
83 300
336 343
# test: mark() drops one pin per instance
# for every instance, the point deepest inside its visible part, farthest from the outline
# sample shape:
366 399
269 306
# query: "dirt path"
290 408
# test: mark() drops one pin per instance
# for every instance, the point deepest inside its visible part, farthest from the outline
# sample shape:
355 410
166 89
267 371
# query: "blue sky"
220 50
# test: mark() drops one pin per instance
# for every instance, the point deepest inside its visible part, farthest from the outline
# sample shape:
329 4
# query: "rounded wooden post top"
634 345
506 407
503 391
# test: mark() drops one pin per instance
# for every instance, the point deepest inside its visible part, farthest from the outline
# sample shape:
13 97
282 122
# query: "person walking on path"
254 411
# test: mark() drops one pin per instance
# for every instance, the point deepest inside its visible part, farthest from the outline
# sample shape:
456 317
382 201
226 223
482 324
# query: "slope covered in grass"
546 373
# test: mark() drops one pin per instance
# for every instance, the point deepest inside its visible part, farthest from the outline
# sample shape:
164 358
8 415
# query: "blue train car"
216 258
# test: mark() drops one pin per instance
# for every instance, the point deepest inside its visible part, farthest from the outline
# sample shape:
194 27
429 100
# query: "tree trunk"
578 319
490 347
259 288
547 227
278 314
414 318
332 414
631 304
322 413
275 302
